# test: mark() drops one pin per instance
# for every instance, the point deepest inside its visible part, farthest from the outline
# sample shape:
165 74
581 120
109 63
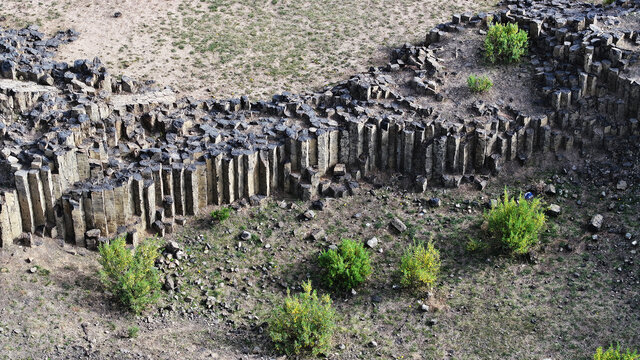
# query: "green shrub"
303 324
221 215
346 267
131 277
615 354
515 225
505 43
420 265
608 2
478 84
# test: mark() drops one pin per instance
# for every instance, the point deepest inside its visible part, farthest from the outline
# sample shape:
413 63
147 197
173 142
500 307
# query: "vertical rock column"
24 199
191 193
264 172
10 220
37 198
178 189
250 181
323 152
228 171
371 145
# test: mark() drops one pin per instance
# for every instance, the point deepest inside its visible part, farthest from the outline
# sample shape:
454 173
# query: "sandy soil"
225 48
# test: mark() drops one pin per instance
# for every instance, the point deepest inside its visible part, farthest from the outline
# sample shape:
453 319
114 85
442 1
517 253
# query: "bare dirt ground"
226 48
577 293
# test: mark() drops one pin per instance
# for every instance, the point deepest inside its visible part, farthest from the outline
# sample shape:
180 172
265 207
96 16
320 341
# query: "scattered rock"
553 210
596 223
550 189
172 247
398 225
317 235
622 185
245 236
308 215
318 205
372 243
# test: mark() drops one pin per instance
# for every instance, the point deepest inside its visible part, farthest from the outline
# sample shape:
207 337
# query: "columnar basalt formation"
87 156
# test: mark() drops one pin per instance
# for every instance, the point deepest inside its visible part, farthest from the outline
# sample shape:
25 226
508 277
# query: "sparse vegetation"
478 84
133 331
420 265
615 353
505 43
130 276
221 215
303 323
345 267
475 245
515 224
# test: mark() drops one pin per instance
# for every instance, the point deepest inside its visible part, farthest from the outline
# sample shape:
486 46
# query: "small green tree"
505 43
478 84
515 225
131 277
614 353
420 265
346 267
303 323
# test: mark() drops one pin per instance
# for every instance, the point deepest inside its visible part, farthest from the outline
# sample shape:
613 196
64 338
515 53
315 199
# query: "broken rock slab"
596 223
398 225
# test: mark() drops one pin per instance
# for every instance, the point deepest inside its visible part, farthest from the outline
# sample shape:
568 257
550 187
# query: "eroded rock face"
83 150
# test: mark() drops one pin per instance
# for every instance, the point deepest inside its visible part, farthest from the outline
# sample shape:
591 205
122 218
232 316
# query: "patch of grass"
42 271
221 215
478 84
133 331
475 245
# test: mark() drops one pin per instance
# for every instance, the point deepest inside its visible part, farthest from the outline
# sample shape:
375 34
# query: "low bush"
420 265
478 84
131 277
505 43
515 225
608 2
614 353
345 267
303 323
221 215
